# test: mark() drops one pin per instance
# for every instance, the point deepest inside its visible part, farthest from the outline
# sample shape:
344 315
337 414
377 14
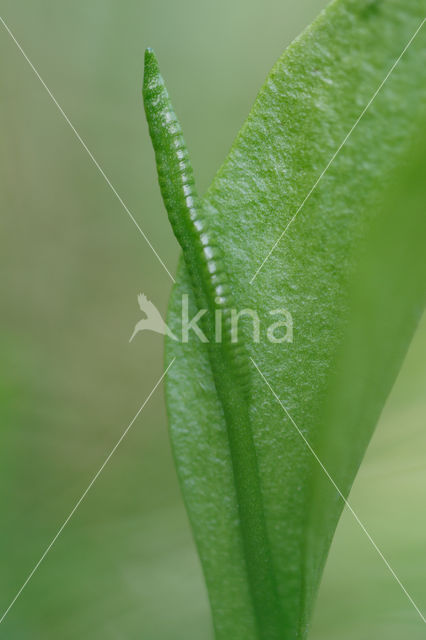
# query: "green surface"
72 266
309 102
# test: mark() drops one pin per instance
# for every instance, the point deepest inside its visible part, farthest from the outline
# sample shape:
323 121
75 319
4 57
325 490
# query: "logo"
276 332
152 321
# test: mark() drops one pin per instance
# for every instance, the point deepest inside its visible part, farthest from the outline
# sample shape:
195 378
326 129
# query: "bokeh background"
72 264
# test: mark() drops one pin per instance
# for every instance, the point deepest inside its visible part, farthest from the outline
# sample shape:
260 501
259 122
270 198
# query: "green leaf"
310 102
386 300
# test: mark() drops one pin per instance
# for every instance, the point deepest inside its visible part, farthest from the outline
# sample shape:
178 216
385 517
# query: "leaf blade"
270 169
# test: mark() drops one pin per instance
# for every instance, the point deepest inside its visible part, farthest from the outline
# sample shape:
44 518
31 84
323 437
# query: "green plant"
268 436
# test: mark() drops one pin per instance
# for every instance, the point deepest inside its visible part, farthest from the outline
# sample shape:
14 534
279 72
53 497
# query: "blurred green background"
72 264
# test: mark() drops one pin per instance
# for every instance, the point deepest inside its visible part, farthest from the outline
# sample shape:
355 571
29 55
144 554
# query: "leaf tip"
151 67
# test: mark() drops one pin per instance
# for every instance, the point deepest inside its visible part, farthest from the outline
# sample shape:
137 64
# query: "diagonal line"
86 148
340 493
333 157
84 494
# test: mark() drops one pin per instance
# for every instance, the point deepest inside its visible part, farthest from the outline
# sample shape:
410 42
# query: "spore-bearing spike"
177 184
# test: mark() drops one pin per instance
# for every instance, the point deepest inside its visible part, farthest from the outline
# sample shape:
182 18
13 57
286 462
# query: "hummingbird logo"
153 320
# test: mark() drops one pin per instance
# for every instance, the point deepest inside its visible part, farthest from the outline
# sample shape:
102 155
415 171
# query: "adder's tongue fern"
229 361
